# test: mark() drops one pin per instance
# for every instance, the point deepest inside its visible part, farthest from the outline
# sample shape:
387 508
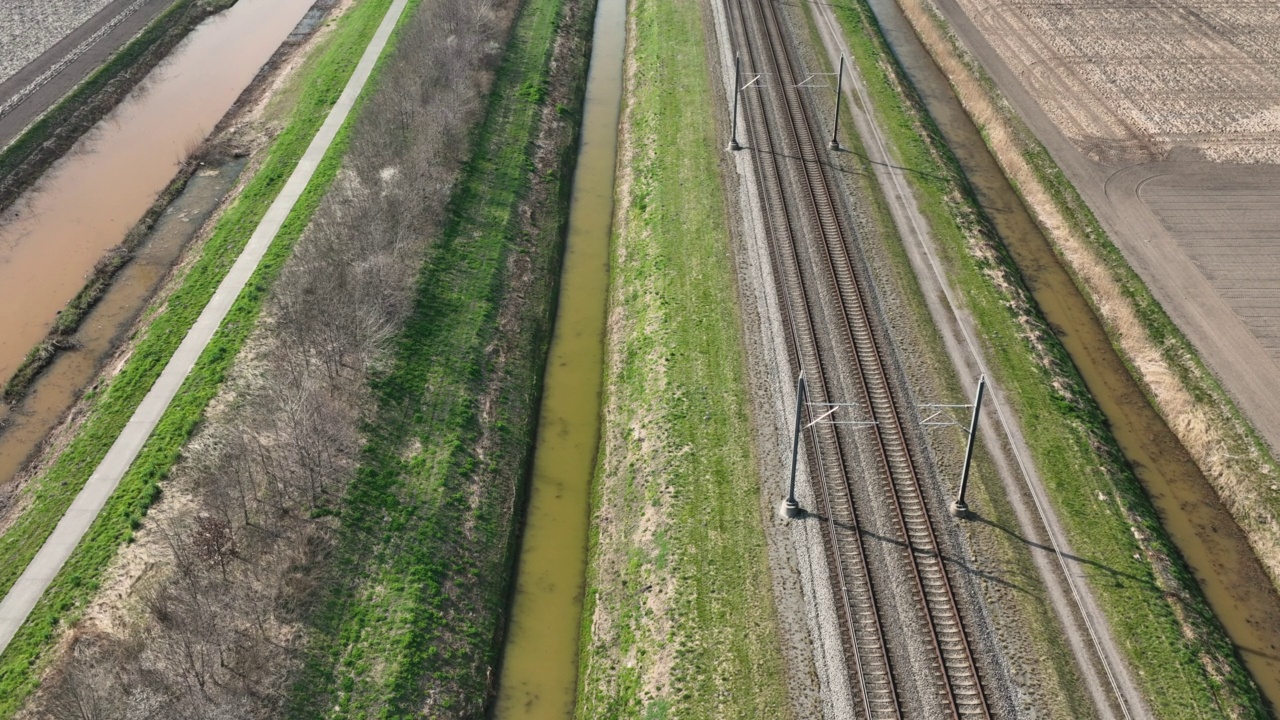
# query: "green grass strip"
52 493
420 579
1093 490
680 381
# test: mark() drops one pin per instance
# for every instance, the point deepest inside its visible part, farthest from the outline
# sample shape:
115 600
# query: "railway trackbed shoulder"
831 338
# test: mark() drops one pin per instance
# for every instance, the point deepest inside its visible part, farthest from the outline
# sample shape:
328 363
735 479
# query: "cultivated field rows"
1225 220
1131 81
30 27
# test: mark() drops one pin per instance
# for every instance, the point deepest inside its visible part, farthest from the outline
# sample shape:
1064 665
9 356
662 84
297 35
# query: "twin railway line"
800 203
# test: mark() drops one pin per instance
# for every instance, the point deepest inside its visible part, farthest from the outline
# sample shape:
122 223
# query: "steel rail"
961 686
855 596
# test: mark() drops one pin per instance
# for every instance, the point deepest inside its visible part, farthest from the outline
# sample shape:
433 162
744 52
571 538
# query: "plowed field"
1130 81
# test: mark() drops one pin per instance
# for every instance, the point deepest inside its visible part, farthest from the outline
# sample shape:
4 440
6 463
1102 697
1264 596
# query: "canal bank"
52 236
106 408
82 220
1189 510
540 659
678 617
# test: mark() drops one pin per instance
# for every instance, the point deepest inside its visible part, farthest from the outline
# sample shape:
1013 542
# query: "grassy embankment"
678 618
1027 627
411 619
52 492
1182 389
1150 598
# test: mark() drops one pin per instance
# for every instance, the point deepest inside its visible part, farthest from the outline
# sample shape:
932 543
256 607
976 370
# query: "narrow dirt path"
84 510
1107 677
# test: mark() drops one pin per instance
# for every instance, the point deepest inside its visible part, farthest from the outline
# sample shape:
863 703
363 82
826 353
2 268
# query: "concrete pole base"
959 509
734 146
789 510
834 145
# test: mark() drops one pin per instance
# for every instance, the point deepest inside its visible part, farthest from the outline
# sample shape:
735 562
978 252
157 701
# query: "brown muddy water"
1230 575
135 283
53 235
539 672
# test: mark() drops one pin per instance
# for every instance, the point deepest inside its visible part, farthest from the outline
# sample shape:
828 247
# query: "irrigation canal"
1209 539
538 677
55 233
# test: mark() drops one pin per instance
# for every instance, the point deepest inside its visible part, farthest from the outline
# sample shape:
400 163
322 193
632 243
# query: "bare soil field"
51 45
1135 80
1163 116
1224 218
29 27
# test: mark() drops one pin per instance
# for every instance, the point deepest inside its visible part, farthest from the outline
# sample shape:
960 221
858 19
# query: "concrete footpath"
28 589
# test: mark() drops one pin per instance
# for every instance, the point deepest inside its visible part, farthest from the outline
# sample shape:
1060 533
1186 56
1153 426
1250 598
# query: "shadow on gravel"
829 165
953 562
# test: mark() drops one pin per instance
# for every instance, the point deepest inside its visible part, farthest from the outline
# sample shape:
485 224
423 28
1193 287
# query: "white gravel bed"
30 27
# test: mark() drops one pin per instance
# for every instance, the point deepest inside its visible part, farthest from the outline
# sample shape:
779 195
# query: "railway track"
775 137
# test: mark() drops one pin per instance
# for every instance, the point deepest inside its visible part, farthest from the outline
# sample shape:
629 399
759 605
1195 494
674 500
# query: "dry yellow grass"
1206 429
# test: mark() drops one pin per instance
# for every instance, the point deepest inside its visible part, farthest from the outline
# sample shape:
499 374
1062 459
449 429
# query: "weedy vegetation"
1186 664
678 618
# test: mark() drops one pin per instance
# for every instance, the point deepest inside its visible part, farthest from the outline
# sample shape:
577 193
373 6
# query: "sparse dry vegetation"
107 406
235 599
30 27
1127 82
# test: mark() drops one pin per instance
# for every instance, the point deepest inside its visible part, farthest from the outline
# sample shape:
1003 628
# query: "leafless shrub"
223 628
209 151
88 687
213 541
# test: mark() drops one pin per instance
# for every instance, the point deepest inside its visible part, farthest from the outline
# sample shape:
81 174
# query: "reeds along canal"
54 234
540 661
1210 541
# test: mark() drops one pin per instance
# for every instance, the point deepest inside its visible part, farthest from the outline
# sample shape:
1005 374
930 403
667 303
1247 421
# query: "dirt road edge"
1203 416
